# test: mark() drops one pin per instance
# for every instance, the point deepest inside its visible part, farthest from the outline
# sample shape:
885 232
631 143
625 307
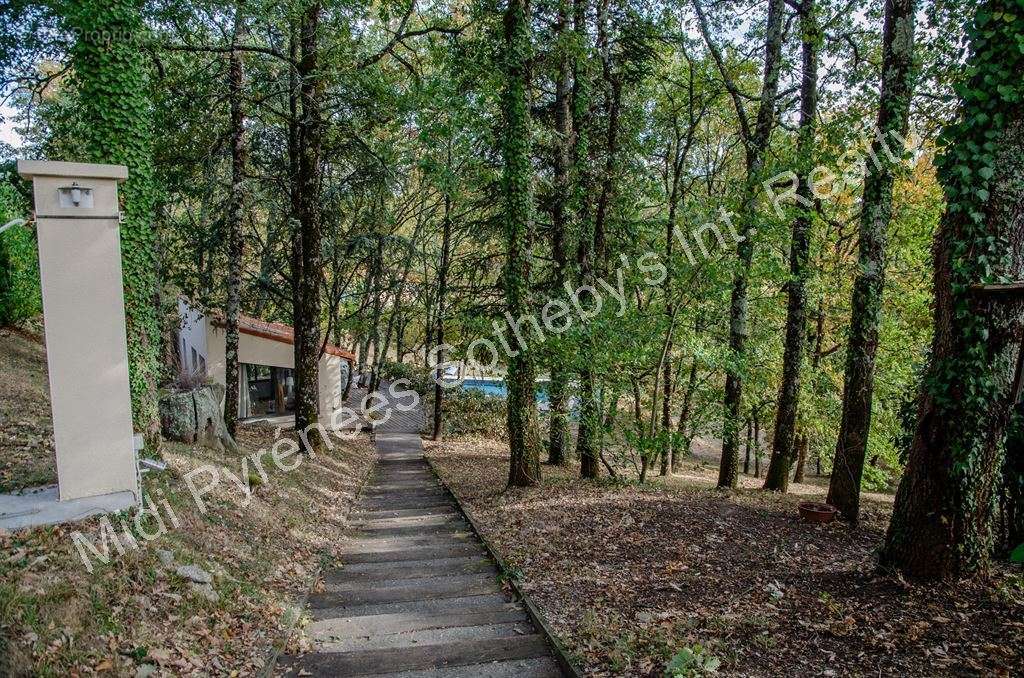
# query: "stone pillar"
77 220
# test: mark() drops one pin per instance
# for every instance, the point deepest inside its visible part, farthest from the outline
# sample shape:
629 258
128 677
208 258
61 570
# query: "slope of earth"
631 577
26 432
212 594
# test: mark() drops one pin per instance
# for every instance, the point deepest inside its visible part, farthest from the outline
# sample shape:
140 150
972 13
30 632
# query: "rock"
206 591
145 671
645 617
194 573
196 416
165 556
178 417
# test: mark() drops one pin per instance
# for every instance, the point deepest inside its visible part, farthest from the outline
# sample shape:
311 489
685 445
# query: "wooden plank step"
340 583
518 668
435 567
438 587
396 504
406 622
409 541
422 553
485 603
374 531
463 653
369 496
447 579
381 514
340 580
424 637
430 519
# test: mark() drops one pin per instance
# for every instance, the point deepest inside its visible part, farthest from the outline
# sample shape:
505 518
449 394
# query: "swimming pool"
499 389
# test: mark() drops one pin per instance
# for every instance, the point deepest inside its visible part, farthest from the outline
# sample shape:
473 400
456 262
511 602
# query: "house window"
270 390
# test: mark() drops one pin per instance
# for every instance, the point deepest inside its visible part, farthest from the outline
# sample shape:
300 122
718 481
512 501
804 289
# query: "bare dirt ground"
630 576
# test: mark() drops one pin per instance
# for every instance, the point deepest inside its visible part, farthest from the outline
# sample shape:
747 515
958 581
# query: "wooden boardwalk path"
416 595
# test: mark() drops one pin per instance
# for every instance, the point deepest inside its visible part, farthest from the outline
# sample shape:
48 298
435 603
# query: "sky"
7 133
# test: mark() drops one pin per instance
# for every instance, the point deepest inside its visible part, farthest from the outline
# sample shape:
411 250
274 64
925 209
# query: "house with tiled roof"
266 356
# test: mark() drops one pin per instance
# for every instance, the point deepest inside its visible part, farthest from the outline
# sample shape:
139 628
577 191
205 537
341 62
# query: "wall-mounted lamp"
75 196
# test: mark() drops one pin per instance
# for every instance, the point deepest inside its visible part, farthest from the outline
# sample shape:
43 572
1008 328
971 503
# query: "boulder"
196 416
178 417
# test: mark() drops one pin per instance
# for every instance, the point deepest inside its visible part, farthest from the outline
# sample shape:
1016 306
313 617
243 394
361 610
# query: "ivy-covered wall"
115 112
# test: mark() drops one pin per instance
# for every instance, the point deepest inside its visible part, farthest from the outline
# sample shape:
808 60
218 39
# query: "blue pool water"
499 388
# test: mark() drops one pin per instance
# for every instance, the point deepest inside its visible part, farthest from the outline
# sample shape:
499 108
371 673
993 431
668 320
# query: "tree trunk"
876 211
442 292
682 428
777 477
802 443
236 77
668 461
1012 500
306 305
942 522
517 179
111 80
588 436
750 444
756 141
757 443
558 433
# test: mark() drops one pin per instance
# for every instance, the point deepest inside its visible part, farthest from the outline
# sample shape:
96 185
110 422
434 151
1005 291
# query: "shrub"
419 377
468 412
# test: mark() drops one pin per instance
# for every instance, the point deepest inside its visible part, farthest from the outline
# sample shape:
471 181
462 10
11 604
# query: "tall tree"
442 295
777 476
558 434
236 79
116 127
942 523
306 241
876 212
517 185
755 142
588 434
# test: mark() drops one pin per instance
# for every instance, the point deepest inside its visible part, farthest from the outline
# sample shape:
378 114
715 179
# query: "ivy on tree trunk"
116 127
942 523
517 179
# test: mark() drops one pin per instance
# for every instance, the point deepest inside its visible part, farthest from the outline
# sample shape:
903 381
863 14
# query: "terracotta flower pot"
816 512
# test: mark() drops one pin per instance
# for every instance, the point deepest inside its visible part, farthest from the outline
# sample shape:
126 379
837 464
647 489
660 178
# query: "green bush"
419 377
20 296
468 412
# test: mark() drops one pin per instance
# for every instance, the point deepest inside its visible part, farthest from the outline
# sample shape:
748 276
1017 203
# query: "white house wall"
253 350
192 336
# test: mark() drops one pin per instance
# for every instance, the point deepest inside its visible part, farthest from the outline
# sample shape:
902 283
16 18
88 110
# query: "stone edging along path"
416 595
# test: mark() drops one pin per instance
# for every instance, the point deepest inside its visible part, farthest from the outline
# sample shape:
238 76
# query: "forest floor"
629 576
148 611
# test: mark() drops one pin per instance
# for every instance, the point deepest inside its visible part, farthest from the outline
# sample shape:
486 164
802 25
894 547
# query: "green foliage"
468 412
116 119
966 383
20 296
419 377
690 662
